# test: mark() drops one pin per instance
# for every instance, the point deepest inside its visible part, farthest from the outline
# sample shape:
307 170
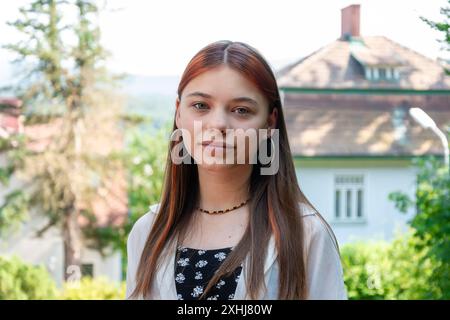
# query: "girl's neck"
222 189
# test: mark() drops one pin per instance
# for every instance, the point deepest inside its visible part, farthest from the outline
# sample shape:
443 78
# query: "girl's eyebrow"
239 99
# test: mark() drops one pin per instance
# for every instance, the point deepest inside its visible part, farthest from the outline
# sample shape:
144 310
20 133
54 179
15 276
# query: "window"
348 203
368 73
349 198
396 74
375 73
87 270
337 204
359 202
389 73
381 73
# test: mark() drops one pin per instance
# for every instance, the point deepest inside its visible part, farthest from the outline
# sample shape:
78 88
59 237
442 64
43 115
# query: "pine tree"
69 92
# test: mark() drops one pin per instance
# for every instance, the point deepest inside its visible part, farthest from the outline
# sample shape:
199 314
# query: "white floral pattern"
183 262
220 284
201 263
220 256
194 270
198 290
180 278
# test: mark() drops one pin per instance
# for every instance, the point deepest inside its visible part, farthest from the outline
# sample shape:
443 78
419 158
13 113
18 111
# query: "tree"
442 27
432 222
432 198
145 157
68 91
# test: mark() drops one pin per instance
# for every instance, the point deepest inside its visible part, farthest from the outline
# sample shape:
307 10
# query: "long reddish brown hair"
271 212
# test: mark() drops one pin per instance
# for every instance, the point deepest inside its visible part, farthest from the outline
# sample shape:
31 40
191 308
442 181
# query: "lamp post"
426 122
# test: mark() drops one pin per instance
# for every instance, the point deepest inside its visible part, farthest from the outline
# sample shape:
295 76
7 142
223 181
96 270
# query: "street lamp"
426 122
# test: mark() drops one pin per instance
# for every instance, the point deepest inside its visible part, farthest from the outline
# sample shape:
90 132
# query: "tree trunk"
72 246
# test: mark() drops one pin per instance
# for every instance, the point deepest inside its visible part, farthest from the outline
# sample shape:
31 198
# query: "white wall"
382 218
109 267
49 251
46 250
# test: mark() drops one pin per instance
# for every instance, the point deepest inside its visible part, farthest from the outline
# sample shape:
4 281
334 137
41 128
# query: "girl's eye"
200 106
242 111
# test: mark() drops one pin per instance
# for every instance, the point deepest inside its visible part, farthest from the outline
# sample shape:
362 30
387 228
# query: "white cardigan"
324 273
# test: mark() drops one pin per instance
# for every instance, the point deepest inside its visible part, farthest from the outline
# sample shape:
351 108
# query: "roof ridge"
329 66
408 49
289 67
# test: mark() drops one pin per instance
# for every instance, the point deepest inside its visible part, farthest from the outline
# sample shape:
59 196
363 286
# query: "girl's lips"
216 144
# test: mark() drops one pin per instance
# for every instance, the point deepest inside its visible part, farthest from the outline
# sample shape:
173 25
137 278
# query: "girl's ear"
177 112
272 119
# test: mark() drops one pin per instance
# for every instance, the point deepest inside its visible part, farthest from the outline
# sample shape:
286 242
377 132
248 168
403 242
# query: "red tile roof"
339 65
10 120
10 102
111 204
363 123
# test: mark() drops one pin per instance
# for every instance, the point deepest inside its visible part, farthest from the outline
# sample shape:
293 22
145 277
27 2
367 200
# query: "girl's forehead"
223 82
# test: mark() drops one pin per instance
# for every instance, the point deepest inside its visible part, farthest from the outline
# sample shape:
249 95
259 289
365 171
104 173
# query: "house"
347 114
48 249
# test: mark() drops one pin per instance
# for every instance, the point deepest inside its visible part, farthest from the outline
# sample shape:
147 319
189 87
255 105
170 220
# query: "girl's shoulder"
141 228
317 229
144 222
307 210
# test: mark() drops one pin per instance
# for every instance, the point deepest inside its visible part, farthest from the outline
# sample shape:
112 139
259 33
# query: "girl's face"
218 111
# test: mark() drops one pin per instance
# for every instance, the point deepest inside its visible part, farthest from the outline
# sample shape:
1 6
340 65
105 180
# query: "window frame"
343 188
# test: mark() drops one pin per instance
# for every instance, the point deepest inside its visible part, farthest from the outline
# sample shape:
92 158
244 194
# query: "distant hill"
152 96
139 85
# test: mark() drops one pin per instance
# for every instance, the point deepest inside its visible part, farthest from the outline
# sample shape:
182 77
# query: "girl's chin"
216 163
219 162
216 167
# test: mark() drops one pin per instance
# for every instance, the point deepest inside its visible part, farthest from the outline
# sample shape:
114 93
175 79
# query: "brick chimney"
350 21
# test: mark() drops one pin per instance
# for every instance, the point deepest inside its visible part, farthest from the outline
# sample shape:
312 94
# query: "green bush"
23 281
431 224
382 270
362 275
92 289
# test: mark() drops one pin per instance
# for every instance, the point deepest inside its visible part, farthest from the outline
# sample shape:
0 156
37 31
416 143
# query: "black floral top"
194 269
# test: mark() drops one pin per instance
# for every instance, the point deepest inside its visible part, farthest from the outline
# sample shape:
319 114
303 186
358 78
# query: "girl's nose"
218 120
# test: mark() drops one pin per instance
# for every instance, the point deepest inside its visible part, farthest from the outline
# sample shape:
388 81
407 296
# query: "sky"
158 38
